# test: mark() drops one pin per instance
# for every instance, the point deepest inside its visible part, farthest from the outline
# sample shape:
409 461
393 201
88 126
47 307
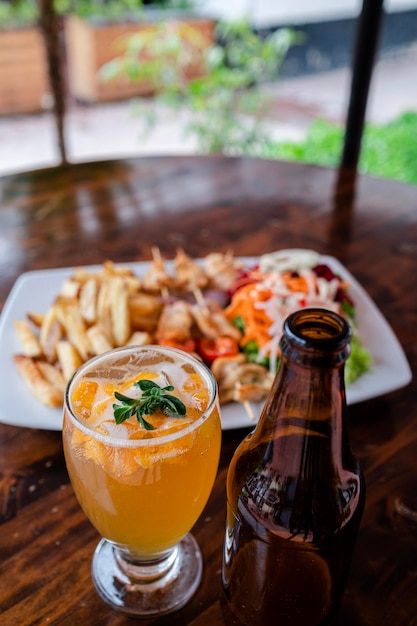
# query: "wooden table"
87 213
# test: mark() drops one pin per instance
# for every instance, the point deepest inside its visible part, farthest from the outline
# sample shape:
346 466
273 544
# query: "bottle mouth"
317 329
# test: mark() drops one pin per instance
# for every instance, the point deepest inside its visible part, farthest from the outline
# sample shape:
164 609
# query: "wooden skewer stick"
249 410
229 256
247 405
164 292
156 254
201 301
157 258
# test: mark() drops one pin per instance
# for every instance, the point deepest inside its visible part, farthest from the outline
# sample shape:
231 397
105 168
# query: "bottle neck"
306 402
308 395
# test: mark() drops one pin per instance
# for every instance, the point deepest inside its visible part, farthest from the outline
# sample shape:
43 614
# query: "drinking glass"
143 490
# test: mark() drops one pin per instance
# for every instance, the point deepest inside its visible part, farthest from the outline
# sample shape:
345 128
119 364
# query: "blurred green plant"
18 13
15 13
388 150
226 100
116 9
108 10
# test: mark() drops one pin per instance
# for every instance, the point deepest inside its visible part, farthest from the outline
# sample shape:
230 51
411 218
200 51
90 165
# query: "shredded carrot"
256 320
246 299
296 284
254 332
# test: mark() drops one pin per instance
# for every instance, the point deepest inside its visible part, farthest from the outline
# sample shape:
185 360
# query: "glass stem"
147 572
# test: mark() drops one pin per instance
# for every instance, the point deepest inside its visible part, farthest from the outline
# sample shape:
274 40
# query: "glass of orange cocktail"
141 435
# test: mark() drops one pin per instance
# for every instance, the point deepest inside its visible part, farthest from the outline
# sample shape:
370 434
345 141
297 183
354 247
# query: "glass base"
147 589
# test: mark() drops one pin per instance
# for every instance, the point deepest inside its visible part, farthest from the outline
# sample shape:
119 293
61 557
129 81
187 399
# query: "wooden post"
50 30
366 44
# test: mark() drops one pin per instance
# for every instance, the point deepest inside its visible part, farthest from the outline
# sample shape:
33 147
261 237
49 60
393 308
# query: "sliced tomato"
188 345
211 349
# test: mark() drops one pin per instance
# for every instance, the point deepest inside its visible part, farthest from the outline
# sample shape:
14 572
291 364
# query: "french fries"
68 358
98 340
119 311
98 310
88 300
50 333
93 313
41 387
30 343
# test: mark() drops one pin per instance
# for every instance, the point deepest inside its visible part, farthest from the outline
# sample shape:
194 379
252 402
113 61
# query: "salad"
283 282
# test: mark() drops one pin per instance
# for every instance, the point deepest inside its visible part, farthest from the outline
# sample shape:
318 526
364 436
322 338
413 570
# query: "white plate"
35 291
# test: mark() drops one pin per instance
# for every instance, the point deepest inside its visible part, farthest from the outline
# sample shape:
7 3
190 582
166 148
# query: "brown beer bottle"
295 492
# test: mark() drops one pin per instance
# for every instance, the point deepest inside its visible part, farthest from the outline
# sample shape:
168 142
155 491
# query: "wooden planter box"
90 46
24 83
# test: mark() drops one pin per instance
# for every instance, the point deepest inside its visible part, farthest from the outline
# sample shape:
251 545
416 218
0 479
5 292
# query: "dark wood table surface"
87 213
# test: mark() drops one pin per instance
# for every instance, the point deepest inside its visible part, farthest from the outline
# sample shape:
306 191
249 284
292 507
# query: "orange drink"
142 482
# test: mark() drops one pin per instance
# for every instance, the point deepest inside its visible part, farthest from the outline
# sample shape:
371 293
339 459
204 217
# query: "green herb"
359 361
238 321
251 350
153 398
348 309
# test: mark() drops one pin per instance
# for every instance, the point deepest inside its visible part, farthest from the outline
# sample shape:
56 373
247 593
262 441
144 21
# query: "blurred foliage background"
227 103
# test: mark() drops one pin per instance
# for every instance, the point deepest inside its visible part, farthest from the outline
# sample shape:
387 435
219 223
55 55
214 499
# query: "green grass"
388 151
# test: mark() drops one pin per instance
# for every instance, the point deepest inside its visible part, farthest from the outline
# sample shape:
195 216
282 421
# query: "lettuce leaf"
359 361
